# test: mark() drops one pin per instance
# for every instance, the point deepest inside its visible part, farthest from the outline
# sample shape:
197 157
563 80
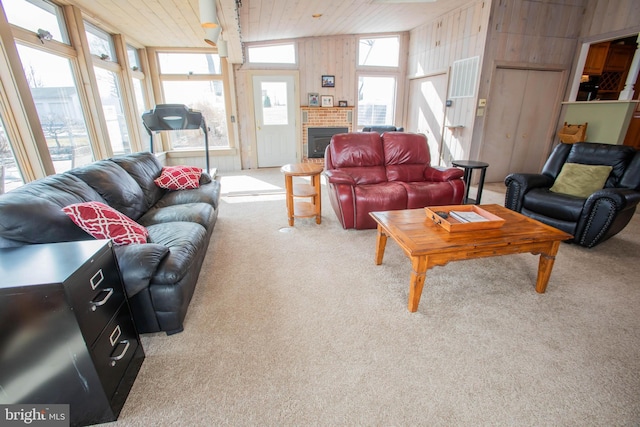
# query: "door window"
274 103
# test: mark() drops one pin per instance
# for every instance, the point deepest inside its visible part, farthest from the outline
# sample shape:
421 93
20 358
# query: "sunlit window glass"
277 54
206 97
376 101
274 103
56 98
33 15
379 52
140 106
10 175
189 63
113 111
100 42
134 59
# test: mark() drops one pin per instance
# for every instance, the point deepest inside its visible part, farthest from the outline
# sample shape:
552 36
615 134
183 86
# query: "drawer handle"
95 304
97 279
114 359
115 335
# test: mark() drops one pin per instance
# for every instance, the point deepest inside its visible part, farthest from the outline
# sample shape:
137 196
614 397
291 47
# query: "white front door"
275 113
426 111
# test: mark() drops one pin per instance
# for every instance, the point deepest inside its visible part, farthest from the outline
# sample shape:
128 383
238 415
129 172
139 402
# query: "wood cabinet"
610 61
596 59
66 331
610 57
619 57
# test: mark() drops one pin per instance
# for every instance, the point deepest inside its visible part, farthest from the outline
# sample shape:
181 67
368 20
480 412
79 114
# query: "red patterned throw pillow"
104 222
179 177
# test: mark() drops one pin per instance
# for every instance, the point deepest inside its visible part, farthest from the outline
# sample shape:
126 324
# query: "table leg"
381 243
483 172
317 198
288 184
467 183
545 266
418 275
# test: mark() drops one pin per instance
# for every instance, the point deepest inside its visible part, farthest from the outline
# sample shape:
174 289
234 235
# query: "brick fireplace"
323 117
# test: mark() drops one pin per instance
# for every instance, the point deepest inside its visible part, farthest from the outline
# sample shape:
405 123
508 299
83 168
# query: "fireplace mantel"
323 117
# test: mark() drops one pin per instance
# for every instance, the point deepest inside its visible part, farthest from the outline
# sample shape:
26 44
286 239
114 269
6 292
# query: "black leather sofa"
592 219
159 276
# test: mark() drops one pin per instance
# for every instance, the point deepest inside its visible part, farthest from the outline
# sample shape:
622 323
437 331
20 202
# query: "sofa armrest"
138 263
622 198
442 174
518 184
527 181
335 176
605 213
205 178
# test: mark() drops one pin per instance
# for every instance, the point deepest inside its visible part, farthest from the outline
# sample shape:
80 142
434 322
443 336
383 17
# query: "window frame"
378 67
395 100
293 64
396 72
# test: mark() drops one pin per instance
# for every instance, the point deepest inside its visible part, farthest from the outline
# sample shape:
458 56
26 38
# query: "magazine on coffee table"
467 216
445 217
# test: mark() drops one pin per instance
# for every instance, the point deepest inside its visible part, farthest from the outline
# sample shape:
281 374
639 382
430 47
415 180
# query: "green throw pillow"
580 180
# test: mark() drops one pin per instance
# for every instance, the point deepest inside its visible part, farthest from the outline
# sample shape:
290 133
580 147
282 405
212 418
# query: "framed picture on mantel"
327 101
314 99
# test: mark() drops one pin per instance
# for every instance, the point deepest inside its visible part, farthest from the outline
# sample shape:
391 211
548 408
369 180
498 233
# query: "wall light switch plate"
482 102
480 112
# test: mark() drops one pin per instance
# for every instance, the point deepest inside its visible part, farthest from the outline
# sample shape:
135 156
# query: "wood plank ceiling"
175 23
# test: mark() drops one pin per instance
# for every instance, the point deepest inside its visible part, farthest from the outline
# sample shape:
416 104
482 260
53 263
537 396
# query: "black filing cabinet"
66 331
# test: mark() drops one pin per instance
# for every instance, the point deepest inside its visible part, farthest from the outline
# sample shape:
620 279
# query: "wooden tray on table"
479 219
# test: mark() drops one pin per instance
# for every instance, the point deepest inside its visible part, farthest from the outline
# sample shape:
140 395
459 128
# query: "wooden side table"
469 166
303 209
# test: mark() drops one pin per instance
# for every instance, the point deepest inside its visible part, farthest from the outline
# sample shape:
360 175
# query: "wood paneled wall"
433 47
610 16
459 34
528 34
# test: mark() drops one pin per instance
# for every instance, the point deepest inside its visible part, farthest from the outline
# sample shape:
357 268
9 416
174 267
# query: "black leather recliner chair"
382 129
593 219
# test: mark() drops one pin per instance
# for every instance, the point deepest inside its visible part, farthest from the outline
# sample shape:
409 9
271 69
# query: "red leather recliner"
368 172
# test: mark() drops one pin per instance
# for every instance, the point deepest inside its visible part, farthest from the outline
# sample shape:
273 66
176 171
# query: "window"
108 80
33 15
139 93
100 43
377 86
274 54
274 103
133 57
206 97
10 176
376 100
195 80
57 101
379 51
113 112
189 63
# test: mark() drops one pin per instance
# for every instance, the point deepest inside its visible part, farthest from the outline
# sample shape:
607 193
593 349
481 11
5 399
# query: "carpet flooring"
296 326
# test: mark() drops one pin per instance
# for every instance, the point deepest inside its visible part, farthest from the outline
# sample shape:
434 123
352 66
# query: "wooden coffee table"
428 244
